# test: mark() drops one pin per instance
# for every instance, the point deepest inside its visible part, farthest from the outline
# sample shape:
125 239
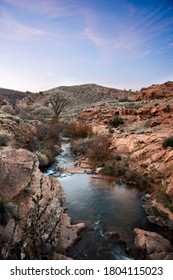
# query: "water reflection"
108 209
117 206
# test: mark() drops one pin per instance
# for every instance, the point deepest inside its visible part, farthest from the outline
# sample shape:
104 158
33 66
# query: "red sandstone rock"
156 91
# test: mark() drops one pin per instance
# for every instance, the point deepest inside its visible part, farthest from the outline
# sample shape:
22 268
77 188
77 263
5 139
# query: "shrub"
162 197
8 109
117 157
167 142
116 170
13 118
99 148
53 130
43 160
24 111
158 213
4 139
141 181
80 146
147 123
125 99
78 130
42 111
116 121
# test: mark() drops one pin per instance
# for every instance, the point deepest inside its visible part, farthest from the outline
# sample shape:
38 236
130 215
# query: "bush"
158 213
125 99
80 146
53 130
116 170
165 199
24 112
42 111
8 109
78 130
116 121
141 181
167 142
99 148
4 139
43 160
147 123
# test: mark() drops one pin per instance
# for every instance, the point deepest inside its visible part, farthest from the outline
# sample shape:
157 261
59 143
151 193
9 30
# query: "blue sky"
119 43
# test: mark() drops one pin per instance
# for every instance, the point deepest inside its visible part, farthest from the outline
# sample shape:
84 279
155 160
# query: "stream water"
105 207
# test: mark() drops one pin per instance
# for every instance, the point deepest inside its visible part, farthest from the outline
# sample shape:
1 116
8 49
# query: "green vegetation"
125 99
8 109
80 146
4 139
116 121
147 123
141 181
162 197
115 170
158 213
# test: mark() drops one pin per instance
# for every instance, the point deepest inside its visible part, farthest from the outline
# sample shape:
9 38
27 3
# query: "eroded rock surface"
154 245
37 200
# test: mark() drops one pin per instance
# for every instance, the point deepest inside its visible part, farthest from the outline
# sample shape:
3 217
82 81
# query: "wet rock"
69 233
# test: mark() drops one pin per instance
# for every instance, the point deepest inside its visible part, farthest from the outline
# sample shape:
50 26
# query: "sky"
125 44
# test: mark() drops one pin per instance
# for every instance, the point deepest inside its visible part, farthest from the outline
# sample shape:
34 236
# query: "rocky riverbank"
32 218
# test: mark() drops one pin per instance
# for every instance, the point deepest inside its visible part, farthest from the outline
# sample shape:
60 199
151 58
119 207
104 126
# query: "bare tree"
57 102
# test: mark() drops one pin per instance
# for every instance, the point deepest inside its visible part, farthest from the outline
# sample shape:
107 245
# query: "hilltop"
79 96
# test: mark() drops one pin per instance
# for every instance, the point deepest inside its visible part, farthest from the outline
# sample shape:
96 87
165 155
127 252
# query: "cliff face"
31 207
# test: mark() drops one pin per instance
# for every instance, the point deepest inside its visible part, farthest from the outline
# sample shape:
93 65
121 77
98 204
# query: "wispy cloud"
10 28
140 28
51 8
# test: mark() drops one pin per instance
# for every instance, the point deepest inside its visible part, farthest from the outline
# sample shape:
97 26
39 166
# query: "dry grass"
99 148
78 130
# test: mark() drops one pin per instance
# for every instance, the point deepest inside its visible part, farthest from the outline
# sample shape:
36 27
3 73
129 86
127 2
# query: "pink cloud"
10 28
52 8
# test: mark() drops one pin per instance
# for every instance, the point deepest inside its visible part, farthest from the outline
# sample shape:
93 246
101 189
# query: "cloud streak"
50 8
12 29
140 28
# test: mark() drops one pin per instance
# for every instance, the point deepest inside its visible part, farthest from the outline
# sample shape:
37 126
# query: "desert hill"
79 96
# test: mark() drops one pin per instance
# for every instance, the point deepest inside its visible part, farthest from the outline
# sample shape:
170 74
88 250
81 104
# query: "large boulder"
31 206
153 244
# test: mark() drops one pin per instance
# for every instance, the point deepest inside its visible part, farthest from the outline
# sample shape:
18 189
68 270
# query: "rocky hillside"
87 94
79 97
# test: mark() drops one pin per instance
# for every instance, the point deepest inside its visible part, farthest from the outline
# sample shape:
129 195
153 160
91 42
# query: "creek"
110 211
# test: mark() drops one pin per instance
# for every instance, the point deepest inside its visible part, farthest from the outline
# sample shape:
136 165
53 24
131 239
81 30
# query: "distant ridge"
88 93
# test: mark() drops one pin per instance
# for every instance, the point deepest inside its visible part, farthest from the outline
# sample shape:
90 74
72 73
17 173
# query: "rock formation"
31 209
153 245
156 91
